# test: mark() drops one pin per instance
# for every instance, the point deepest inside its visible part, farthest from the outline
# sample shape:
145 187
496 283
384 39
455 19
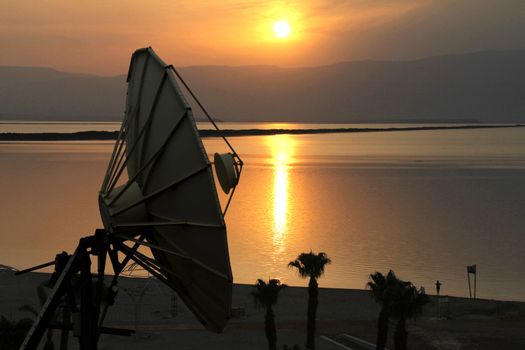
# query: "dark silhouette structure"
471 269
169 196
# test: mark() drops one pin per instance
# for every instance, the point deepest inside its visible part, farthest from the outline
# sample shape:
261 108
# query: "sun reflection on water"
280 200
282 147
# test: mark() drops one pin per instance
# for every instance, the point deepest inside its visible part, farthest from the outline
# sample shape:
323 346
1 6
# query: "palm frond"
377 284
266 294
310 264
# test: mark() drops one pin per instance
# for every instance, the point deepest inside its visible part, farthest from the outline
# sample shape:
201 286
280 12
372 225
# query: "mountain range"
484 86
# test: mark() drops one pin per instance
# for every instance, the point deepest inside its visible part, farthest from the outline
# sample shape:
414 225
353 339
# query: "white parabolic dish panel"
174 175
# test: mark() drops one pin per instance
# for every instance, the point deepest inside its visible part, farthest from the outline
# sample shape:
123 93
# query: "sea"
425 204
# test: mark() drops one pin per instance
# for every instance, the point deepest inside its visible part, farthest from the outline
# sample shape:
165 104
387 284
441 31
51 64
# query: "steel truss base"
90 310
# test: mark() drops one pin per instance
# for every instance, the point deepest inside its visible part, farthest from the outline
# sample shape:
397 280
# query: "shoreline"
147 306
6 270
7 273
112 135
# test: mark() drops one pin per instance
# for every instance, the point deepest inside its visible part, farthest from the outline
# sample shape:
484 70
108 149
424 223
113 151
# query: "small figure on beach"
438 287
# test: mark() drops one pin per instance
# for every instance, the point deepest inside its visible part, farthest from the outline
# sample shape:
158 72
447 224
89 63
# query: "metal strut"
88 327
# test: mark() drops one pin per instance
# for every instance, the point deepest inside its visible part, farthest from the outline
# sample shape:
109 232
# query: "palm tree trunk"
269 327
400 336
382 330
313 294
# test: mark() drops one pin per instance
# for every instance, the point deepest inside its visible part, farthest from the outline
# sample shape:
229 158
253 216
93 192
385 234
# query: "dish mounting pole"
87 320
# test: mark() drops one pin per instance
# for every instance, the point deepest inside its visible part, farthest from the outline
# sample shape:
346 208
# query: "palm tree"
265 295
408 304
310 265
384 290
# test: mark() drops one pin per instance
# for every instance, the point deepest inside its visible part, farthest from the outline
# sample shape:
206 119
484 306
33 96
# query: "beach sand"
146 305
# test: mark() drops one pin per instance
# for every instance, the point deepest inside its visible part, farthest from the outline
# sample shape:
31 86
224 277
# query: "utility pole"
438 288
471 269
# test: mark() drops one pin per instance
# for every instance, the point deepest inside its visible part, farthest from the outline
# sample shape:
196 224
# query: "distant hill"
485 86
29 93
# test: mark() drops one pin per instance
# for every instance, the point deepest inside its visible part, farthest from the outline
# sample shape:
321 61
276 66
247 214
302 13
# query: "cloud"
73 35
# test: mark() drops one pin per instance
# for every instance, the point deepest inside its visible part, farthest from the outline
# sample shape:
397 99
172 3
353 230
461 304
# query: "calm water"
424 203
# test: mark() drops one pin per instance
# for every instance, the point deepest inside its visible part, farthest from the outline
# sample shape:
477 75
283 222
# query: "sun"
282 29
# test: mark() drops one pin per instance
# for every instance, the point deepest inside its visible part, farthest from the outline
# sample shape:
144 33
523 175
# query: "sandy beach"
146 306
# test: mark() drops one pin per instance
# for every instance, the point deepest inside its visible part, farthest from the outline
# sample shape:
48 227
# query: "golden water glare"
329 192
282 147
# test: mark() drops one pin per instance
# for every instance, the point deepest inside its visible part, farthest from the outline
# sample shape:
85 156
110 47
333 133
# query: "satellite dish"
170 196
168 203
227 172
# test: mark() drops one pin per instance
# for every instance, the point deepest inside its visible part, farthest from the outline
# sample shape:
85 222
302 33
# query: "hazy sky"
98 36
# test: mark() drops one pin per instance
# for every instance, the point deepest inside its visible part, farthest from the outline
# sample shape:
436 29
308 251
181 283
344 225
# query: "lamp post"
471 269
438 288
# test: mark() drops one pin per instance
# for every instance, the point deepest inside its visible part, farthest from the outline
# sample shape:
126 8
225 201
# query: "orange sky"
98 36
